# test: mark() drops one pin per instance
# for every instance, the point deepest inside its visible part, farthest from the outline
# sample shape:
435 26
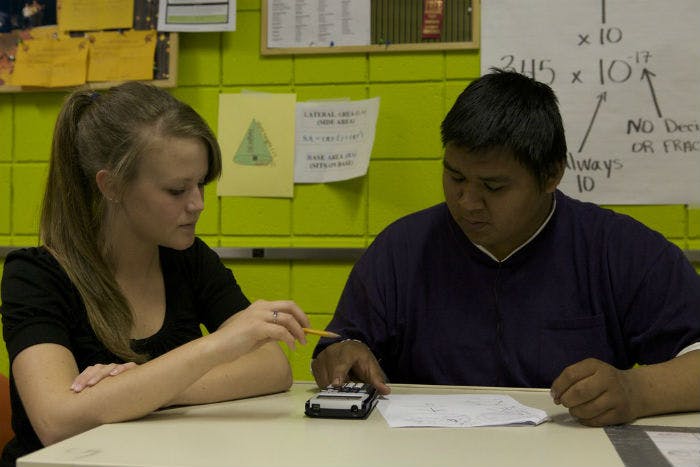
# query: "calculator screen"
334 397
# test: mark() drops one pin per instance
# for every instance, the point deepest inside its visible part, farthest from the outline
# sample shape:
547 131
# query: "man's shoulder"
412 232
423 220
595 216
616 229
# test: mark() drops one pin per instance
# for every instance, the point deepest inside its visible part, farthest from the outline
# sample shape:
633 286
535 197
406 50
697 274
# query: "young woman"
102 321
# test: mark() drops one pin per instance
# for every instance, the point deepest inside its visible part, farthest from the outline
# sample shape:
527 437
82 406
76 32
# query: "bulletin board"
161 72
395 26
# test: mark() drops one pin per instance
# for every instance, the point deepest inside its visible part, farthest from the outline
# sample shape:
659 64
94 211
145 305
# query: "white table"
273 431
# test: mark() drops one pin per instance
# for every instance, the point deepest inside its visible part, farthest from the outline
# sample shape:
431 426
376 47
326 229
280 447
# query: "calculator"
351 400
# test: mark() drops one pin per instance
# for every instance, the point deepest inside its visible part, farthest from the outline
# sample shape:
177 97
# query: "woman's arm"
262 371
44 373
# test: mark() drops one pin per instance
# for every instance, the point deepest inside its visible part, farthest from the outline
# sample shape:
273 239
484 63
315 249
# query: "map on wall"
627 75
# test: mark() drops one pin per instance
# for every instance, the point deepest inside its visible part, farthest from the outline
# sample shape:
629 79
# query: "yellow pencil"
316 332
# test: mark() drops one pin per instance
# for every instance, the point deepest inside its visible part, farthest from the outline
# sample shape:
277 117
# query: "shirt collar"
537 232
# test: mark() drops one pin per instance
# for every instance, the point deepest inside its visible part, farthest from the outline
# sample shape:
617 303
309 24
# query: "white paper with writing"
197 15
457 410
680 449
334 139
317 23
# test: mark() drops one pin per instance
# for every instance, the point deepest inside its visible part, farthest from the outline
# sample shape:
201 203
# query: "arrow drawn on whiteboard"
647 74
602 97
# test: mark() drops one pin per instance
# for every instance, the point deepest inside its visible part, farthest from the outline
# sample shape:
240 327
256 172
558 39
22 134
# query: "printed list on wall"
628 81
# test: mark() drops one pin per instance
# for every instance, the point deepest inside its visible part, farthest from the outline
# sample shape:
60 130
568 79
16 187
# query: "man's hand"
596 393
337 361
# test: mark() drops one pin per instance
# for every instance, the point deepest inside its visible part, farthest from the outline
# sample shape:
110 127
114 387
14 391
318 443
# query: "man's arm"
598 394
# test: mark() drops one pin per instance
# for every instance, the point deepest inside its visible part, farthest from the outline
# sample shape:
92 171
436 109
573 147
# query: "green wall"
416 90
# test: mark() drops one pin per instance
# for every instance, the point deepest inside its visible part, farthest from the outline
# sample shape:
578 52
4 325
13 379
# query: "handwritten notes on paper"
91 15
59 60
334 139
627 77
116 41
457 410
116 56
51 62
8 48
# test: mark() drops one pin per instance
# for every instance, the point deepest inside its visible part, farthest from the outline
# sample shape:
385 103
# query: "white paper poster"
627 77
334 139
317 23
196 15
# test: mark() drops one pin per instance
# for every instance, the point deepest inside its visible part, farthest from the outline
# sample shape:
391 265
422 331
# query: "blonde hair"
109 131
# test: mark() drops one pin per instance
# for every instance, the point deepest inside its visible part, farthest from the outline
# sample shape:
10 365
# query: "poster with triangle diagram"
256 135
255 148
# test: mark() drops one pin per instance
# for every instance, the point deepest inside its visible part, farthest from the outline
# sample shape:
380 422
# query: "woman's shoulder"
33 269
194 252
30 258
198 259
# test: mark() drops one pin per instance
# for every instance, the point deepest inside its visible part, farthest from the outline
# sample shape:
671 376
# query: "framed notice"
322 27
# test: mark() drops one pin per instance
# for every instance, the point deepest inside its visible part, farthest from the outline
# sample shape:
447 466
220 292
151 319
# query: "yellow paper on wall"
51 62
256 134
91 15
8 47
43 32
119 56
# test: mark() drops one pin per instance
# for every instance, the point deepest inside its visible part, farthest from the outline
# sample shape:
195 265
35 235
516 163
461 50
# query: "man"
512 283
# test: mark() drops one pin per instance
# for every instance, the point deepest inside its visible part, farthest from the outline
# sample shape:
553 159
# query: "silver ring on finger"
274 316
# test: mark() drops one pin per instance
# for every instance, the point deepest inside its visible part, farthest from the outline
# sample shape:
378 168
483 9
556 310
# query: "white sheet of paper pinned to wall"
334 139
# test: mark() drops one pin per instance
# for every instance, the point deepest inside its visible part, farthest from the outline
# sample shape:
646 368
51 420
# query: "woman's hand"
96 373
262 322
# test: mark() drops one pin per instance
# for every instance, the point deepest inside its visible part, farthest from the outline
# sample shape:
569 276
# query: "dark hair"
510 111
111 131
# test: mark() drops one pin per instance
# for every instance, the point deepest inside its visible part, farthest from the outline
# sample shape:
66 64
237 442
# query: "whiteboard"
627 75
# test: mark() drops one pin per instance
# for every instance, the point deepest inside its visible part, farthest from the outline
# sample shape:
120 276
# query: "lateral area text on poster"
334 139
